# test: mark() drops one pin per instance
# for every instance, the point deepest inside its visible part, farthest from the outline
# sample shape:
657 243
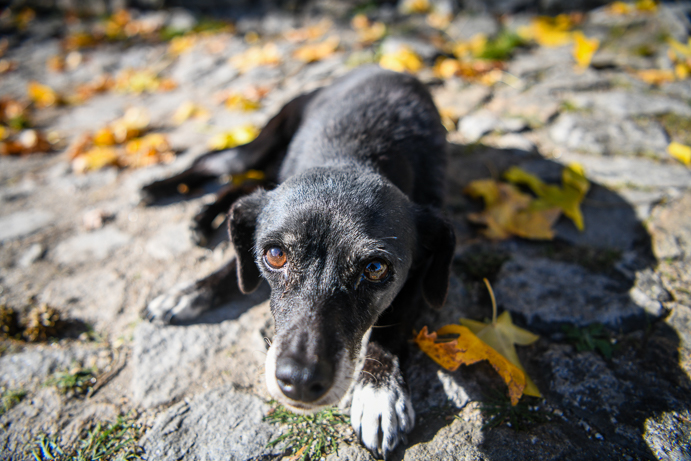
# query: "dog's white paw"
382 414
181 303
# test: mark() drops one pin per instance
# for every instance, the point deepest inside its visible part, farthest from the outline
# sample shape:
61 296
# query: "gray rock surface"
218 424
96 245
23 223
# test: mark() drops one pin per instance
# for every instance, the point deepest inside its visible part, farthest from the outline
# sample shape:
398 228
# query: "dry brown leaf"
309 33
508 212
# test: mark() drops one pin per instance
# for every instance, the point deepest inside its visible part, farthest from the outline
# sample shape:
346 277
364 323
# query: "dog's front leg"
184 303
381 411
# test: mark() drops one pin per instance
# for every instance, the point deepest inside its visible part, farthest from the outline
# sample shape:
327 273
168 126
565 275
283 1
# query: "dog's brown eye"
275 257
376 270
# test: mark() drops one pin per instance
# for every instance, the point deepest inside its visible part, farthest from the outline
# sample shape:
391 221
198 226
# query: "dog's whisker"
385 326
374 360
267 341
375 378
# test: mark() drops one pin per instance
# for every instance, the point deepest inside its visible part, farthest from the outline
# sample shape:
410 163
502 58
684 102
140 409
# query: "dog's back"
377 118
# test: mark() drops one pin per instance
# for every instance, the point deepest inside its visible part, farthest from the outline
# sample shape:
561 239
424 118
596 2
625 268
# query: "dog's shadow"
613 247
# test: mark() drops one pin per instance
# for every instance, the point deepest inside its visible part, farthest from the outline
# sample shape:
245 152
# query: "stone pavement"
83 244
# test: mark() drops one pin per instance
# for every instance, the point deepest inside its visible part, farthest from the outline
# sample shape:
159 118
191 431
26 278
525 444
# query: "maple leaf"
468 349
584 48
402 60
508 212
501 335
235 137
680 152
568 198
317 51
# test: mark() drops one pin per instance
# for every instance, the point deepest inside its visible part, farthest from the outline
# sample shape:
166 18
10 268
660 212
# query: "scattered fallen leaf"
26 142
680 152
188 110
567 198
508 211
368 32
42 95
122 143
485 72
142 81
56 63
7 66
86 91
439 20
548 31
237 101
620 8
182 44
470 48
468 349
235 137
501 335
656 76
317 51
415 6
402 60
79 40
584 48
309 33
646 6
256 56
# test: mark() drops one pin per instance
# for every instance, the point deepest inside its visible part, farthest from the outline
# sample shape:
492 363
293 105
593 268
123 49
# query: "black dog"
350 242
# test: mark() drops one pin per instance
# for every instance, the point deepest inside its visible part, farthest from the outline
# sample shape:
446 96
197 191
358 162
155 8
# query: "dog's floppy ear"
437 241
242 224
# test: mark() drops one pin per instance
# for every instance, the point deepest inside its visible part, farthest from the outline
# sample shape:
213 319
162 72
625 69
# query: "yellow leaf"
473 47
142 81
256 56
182 44
235 137
680 48
104 137
42 95
567 198
646 6
682 70
584 48
501 335
680 152
317 51
620 8
403 60
508 212
95 158
468 349
188 110
415 6
236 101
548 31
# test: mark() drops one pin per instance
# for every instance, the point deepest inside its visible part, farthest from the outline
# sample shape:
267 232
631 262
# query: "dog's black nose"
304 382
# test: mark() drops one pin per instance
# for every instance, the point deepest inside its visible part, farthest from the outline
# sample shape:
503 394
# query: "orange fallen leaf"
317 51
237 101
468 349
501 335
311 33
415 6
95 158
142 81
368 32
656 76
182 44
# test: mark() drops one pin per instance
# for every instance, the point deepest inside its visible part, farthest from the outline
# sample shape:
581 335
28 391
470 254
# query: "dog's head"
336 246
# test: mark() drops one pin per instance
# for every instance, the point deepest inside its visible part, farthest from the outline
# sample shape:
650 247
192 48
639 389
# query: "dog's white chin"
345 372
